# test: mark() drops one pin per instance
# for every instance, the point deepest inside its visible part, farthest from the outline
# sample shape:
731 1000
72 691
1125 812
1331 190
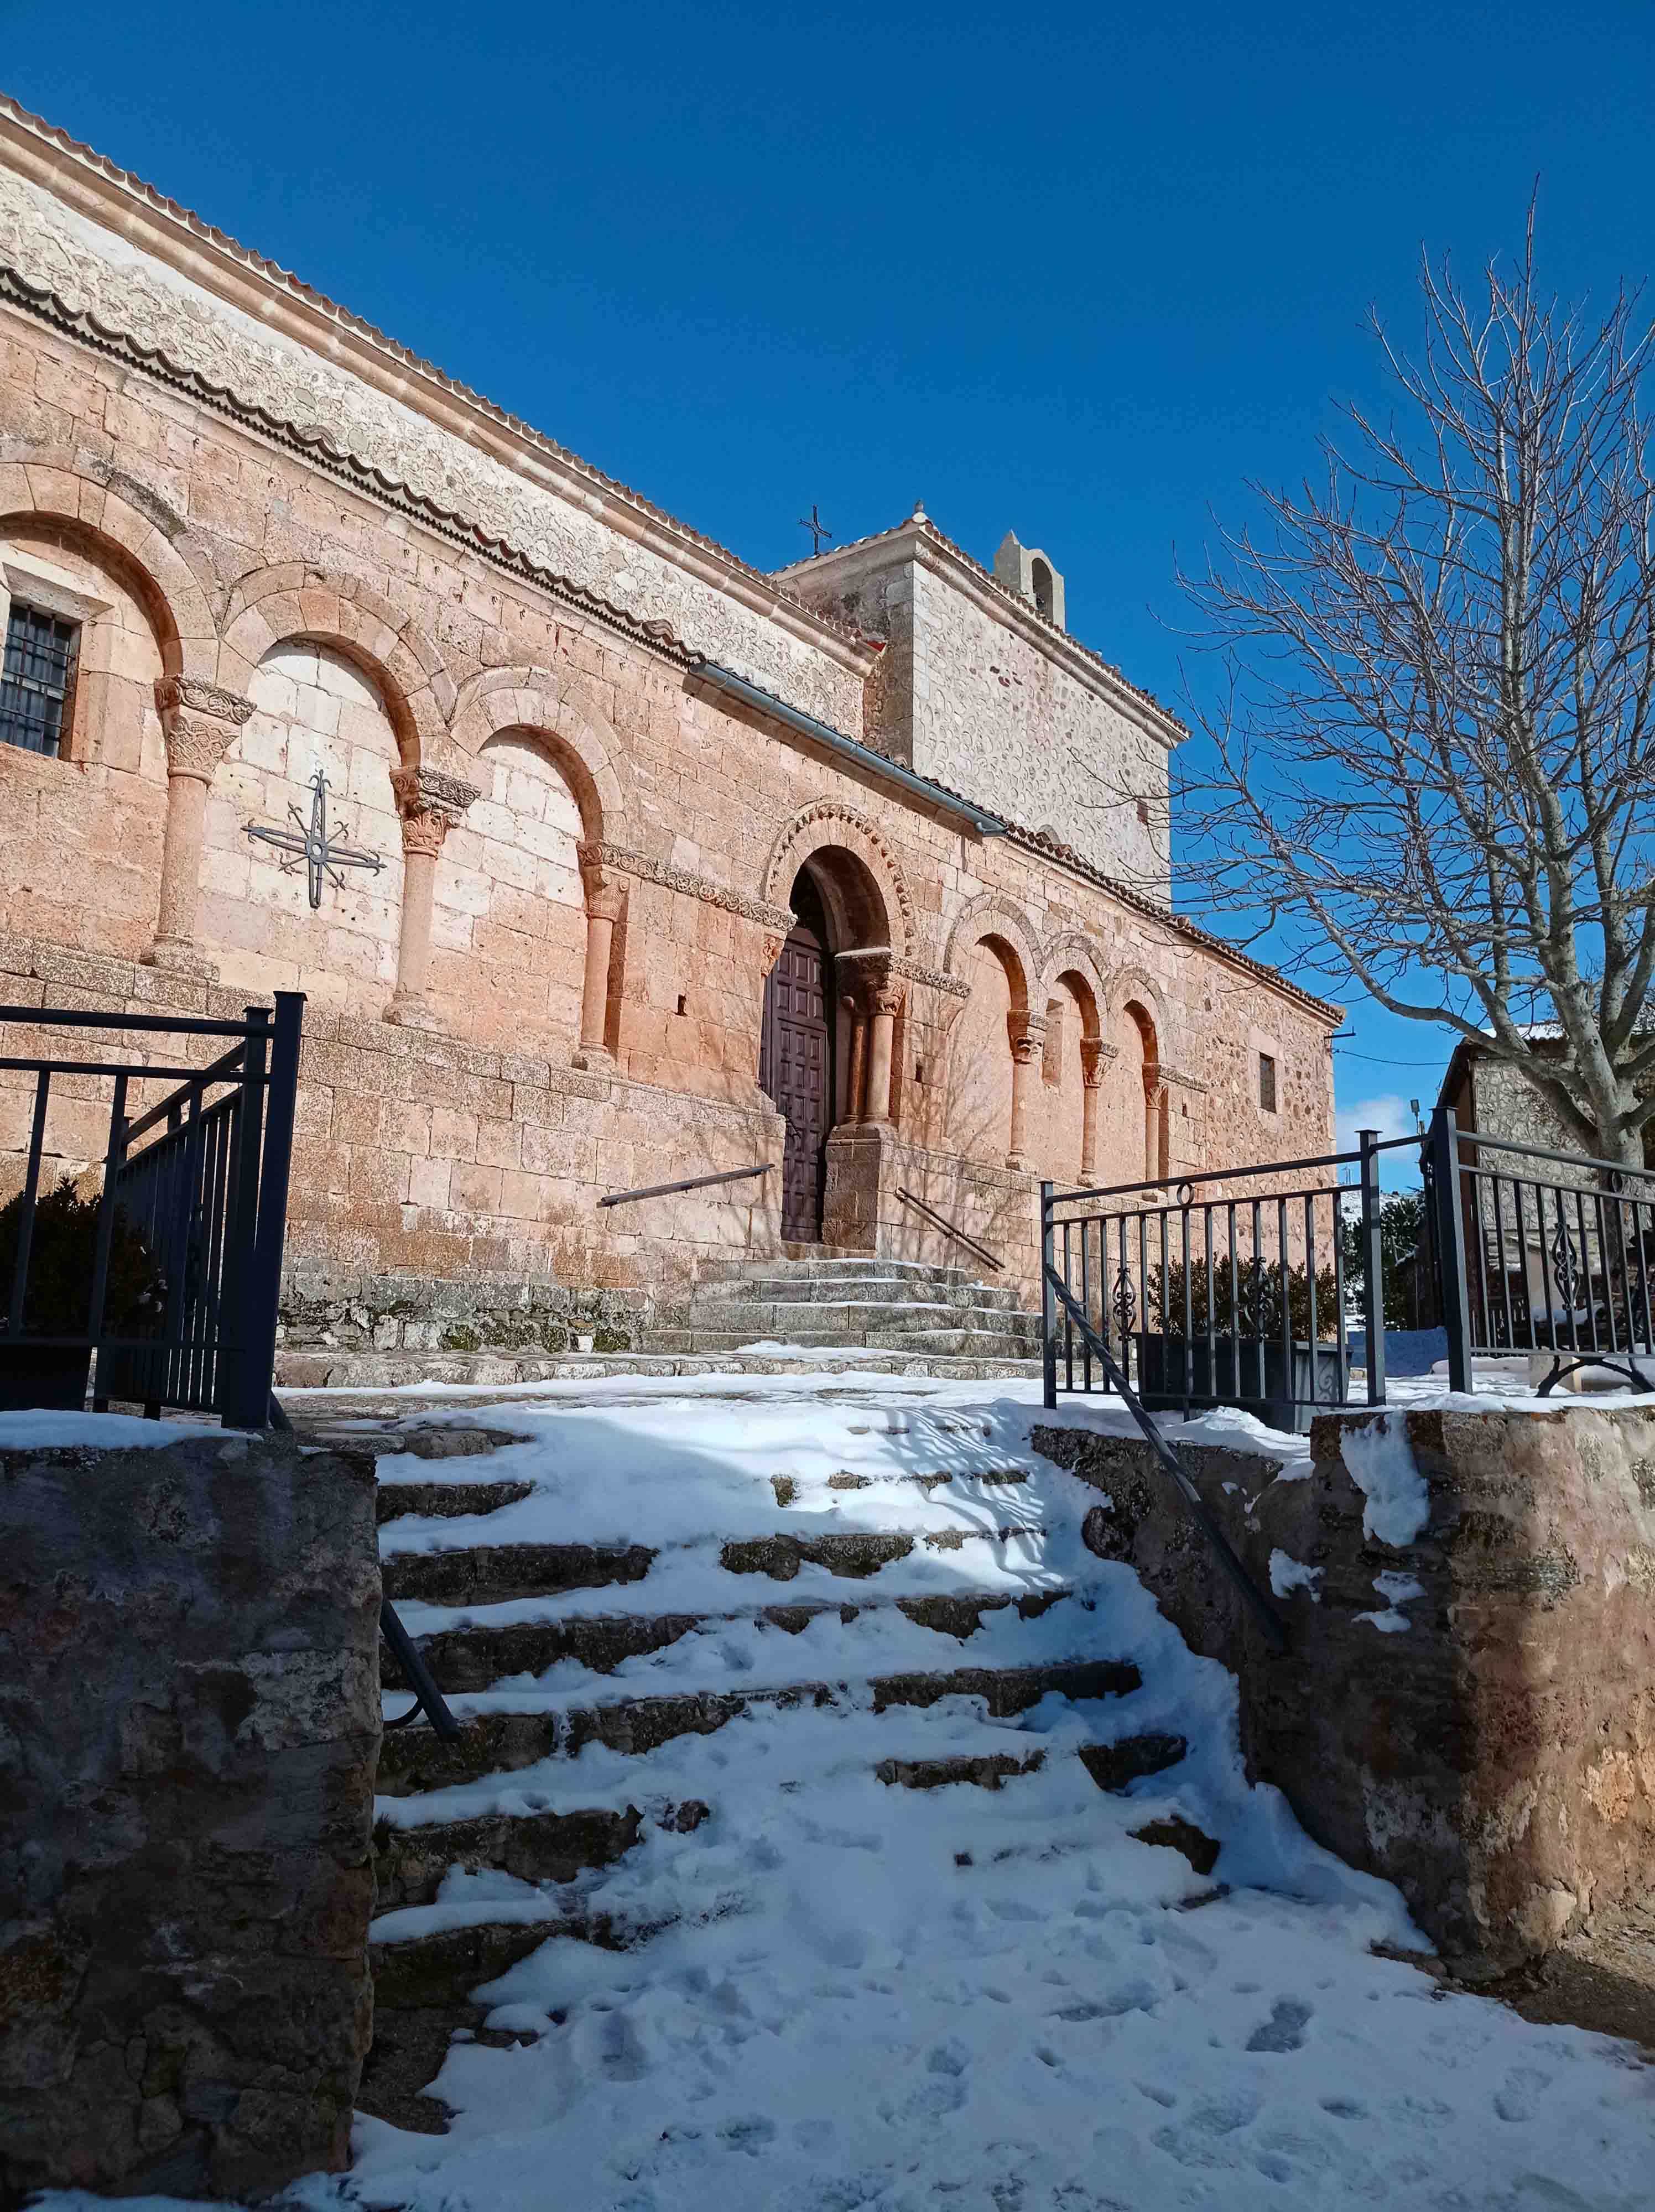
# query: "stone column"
856 1074
200 722
886 996
429 802
1154 1109
606 901
1091 1076
1028 1034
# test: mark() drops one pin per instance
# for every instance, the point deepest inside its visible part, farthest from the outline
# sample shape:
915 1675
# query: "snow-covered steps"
661 1620
506 1731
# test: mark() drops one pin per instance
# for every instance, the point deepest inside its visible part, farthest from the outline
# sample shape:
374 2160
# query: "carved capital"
208 699
200 722
195 746
605 889
1095 1056
425 831
1028 1035
428 791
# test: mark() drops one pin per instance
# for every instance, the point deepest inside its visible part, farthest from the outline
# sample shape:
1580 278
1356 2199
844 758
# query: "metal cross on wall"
312 842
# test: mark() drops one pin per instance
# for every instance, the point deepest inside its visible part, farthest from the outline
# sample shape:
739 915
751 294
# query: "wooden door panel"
802 1084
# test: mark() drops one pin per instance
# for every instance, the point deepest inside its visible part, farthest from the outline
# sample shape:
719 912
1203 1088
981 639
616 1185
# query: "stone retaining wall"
189 1729
1466 1708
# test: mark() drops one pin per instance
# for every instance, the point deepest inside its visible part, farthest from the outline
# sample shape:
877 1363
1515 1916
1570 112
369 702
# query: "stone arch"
275 604
828 827
1073 955
575 734
992 914
150 547
1133 987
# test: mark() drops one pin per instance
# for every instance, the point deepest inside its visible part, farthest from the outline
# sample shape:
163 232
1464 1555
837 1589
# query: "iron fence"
1237 1289
170 1277
1241 1287
1541 1262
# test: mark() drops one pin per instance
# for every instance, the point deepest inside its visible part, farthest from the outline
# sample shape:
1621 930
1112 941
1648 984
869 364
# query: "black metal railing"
174 1285
951 1228
1241 1287
1233 1289
1559 1263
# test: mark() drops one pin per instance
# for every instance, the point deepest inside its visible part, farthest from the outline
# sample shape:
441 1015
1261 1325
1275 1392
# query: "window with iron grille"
38 682
1266 1081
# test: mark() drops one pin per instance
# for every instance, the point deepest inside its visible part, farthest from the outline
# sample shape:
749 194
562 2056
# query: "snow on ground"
59 1431
953 2000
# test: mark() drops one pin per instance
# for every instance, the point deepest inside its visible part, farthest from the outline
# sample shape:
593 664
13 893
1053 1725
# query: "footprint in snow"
1285 2028
751 2135
1518 2096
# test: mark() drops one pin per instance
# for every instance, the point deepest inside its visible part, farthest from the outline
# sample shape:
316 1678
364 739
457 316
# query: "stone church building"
860 869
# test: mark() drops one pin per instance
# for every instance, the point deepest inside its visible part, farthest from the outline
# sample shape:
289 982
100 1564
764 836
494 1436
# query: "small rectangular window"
1266 1081
37 681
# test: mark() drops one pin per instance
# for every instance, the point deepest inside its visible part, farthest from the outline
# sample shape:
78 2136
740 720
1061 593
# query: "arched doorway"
797 1059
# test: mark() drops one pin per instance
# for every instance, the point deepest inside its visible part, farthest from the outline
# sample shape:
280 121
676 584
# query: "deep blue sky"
1077 271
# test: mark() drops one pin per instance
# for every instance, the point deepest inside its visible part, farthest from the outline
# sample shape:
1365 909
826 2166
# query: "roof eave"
116 201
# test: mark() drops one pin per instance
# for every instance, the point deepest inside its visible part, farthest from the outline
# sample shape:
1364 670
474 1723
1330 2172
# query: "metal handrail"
1234 1175
77 1018
428 1698
692 1182
1268 1619
1479 1137
949 1229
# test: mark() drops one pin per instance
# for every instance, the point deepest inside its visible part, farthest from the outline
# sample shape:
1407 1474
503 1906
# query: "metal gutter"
877 763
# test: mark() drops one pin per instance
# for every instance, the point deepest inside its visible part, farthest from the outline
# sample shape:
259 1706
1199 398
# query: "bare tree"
1433 763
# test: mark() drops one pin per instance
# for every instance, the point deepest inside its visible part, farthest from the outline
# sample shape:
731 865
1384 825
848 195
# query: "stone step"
468 1659
443 1966
869 1291
410 1864
833 1267
971 1355
397 1501
412 1860
372 1372
413 1761
850 1321
486 1574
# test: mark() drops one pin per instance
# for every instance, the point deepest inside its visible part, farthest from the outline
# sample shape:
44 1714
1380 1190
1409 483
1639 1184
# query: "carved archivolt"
297 600
777 920
114 515
578 739
1135 985
991 913
831 824
1074 953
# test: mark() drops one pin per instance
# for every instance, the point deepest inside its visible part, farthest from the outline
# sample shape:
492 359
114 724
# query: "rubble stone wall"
189 1730
1469 1710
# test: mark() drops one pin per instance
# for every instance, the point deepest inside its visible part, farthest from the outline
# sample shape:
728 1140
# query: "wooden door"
799 1077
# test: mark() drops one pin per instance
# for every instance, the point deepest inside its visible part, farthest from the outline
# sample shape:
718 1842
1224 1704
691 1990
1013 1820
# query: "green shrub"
62 1253
1246 1298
